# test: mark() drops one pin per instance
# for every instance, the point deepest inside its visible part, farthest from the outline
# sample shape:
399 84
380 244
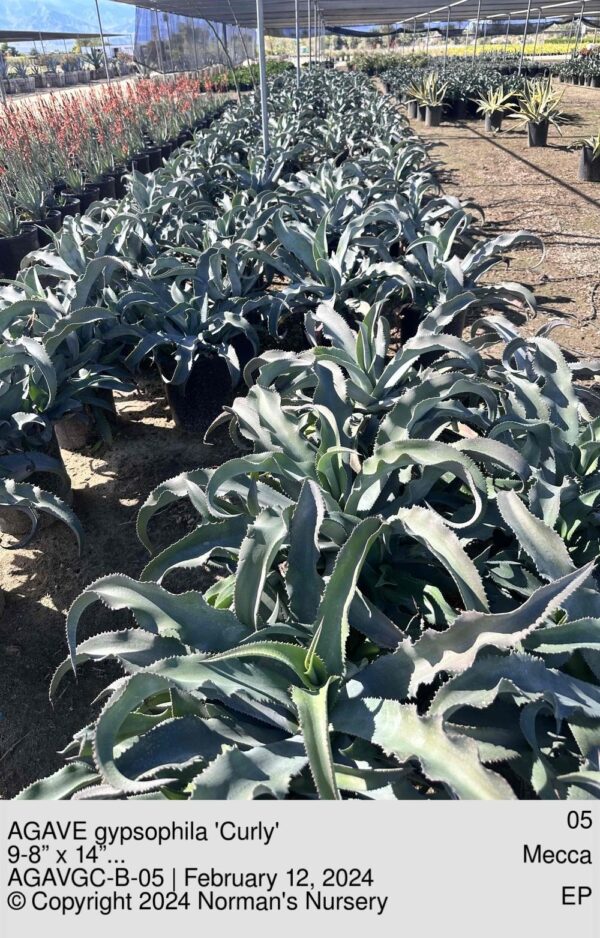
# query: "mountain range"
58 16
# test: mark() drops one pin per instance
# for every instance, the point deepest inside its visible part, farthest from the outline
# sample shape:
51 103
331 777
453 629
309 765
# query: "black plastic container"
53 221
71 207
493 121
15 248
78 430
107 186
155 158
120 184
197 403
589 168
89 195
538 134
433 115
457 110
140 163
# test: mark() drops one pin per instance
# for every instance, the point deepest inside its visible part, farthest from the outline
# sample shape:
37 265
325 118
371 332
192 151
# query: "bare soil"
537 190
41 582
517 188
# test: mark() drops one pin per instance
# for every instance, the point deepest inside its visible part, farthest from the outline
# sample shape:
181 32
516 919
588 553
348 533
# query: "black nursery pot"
595 81
196 404
53 221
71 207
433 115
89 195
422 112
15 248
107 187
166 150
243 349
140 163
538 134
120 184
589 168
77 430
493 121
155 158
457 110
413 110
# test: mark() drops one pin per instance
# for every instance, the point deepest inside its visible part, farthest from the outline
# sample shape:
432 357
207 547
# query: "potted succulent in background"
70 69
16 241
31 197
52 77
95 61
493 105
589 160
32 472
20 80
538 108
37 73
434 91
414 99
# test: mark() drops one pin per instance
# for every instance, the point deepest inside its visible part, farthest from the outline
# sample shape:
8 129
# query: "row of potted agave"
24 80
537 107
26 84
75 429
63 202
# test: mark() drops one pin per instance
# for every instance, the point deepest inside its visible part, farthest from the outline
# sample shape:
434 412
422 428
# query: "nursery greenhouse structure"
300 408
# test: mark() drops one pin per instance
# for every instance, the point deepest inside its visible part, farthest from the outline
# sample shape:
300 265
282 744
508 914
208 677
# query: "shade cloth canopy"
281 14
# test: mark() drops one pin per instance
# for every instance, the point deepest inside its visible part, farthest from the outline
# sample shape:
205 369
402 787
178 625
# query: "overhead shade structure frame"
281 14
274 16
13 36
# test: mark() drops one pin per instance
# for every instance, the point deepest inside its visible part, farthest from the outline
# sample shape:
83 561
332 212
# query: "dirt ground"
40 583
537 190
517 188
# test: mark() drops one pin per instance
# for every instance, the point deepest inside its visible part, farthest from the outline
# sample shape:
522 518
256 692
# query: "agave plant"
540 103
404 601
27 391
434 90
495 101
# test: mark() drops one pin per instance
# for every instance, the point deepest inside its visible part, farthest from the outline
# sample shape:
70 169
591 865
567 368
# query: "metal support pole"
42 44
166 18
537 31
477 28
414 35
524 38
579 32
159 50
298 66
506 37
103 41
309 34
262 64
427 37
195 43
570 34
320 39
447 34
